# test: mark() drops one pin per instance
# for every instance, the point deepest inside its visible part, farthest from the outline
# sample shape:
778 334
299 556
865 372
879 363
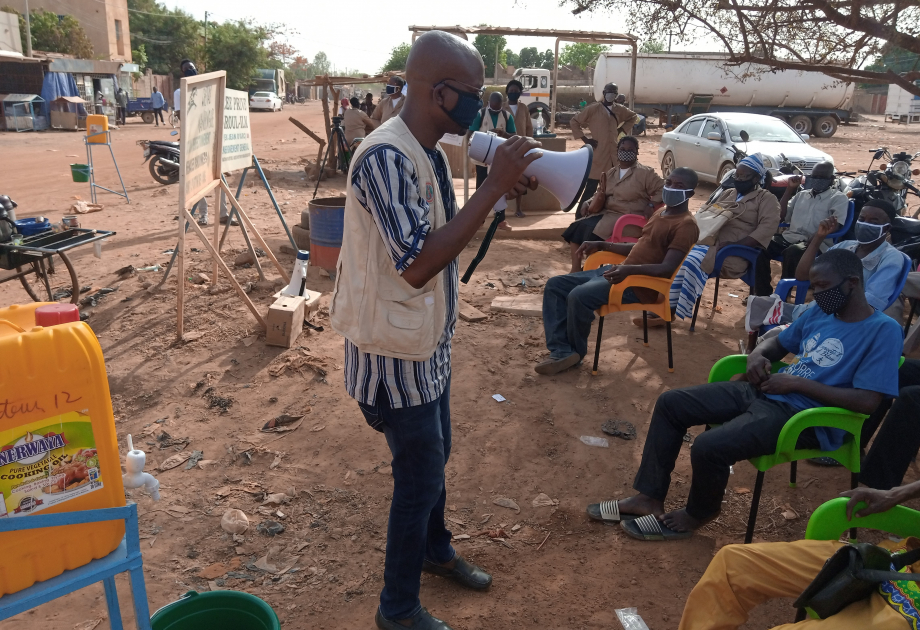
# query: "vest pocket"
406 326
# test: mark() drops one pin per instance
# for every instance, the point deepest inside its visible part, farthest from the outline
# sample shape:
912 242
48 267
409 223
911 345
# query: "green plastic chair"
786 451
829 521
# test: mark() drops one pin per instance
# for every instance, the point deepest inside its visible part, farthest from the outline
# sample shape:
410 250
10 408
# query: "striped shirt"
386 184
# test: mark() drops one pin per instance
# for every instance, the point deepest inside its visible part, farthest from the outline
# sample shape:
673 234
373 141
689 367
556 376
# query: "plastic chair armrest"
784 286
598 259
831 417
750 254
829 520
662 285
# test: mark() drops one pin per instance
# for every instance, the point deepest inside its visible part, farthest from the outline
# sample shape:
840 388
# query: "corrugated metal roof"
20 98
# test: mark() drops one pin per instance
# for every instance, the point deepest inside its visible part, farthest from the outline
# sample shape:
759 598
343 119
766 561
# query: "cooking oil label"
47 462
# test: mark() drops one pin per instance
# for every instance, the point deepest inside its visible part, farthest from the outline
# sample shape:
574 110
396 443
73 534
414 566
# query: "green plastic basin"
226 610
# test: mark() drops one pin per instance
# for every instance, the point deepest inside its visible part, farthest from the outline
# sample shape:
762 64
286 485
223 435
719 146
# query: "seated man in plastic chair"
803 210
740 577
755 220
846 356
627 188
882 265
569 301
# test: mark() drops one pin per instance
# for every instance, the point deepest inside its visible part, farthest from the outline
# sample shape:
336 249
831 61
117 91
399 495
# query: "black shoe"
469 575
422 621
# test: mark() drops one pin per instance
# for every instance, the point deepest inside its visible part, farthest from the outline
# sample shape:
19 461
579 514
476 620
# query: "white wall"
9 32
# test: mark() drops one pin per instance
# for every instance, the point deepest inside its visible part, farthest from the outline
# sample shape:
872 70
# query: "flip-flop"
650 528
608 512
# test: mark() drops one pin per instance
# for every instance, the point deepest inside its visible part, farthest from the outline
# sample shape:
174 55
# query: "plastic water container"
301 266
327 224
58 449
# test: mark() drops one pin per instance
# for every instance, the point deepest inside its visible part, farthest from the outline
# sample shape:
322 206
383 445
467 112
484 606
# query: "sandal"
650 528
609 512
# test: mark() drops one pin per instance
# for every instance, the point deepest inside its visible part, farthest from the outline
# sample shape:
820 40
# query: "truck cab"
537 90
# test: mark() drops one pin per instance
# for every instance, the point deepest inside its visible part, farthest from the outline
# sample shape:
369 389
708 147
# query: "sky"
359 34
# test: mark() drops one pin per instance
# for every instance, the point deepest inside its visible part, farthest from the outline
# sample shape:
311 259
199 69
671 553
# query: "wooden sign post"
202 128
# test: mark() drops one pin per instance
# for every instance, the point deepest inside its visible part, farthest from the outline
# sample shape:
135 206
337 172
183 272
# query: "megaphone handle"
486 241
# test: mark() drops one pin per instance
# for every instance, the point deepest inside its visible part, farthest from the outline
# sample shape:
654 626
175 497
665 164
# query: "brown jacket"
385 109
357 124
523 125
606 129
759 219
637 193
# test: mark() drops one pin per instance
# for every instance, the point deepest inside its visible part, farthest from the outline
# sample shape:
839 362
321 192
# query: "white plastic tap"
136 477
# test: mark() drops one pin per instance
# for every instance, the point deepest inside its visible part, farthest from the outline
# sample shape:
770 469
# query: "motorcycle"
164 159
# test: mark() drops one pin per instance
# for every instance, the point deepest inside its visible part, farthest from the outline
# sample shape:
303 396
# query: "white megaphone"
562 174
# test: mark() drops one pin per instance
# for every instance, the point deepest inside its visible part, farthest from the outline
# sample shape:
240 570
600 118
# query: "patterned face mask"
832 300
627 156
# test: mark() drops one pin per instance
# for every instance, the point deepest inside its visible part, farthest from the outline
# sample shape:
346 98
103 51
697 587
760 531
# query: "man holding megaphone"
396 302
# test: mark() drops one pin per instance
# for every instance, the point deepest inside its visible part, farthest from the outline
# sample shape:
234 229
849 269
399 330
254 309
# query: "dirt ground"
214 393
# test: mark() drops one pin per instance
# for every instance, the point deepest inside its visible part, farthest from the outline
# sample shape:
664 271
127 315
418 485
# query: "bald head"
445 76
437 55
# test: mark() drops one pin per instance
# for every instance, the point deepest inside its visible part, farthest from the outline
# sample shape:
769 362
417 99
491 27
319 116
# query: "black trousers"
481 173
120 113
792 254
750 426
898 439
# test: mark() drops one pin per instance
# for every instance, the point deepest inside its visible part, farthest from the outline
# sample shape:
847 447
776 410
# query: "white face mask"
610 97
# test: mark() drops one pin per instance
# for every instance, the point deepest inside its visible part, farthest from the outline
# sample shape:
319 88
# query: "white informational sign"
236 152
202 131
451 138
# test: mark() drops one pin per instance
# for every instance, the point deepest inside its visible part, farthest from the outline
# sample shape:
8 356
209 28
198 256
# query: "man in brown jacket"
755 222
607 121
392 104
627 188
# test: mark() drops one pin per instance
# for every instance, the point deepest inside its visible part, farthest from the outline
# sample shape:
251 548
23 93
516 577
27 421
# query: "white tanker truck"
684 84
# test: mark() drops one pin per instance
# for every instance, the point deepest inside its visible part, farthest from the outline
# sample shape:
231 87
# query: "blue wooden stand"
126 557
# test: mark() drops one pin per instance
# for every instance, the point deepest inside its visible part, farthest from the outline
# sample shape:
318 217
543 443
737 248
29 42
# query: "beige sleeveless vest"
501 121
372 305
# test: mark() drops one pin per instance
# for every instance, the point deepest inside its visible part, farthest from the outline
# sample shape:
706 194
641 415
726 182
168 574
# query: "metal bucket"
327 224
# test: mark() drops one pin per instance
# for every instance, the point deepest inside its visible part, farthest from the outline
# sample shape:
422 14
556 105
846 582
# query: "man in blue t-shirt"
846 356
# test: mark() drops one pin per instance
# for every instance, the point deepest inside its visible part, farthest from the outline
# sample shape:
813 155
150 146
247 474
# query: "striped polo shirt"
385 183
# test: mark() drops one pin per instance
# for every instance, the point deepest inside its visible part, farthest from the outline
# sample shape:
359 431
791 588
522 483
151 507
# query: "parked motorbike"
164 160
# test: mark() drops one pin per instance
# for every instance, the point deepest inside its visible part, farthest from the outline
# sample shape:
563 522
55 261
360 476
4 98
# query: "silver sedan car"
703 143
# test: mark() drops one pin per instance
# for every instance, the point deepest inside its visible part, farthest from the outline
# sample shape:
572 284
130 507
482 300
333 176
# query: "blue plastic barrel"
327 224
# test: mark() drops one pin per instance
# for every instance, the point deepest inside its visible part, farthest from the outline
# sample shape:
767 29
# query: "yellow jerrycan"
58 448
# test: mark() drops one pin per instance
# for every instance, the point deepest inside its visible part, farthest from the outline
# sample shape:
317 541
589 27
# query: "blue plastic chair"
834 236
801 286
126 557
750 254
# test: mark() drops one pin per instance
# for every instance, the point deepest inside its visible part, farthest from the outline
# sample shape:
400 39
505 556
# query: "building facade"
105 22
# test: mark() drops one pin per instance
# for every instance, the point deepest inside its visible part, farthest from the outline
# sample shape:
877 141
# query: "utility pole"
28 31
205 34
495 72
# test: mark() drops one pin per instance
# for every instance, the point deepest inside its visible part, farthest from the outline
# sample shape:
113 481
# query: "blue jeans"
569 303
419 439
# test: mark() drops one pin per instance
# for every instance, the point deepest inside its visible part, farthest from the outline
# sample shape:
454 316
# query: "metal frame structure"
125 558
587 37
92 169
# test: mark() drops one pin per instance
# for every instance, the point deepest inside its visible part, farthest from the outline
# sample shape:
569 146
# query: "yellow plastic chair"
661 308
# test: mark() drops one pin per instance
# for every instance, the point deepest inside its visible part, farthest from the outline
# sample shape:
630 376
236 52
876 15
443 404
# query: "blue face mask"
464 112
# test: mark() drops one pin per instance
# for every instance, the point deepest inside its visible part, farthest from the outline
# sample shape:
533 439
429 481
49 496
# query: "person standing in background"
368 106
522 123
121 98
159 103
607 121
390 106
